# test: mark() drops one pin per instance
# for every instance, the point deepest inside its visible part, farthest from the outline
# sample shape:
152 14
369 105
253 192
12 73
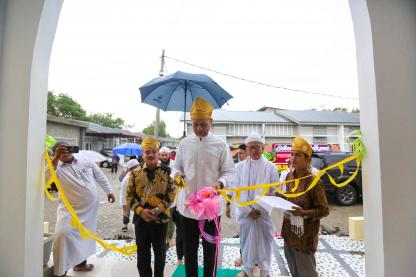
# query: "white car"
95 157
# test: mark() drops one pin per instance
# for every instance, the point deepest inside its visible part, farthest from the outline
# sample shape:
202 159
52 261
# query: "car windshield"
317 163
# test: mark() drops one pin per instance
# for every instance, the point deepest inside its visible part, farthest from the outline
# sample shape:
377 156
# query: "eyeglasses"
255 147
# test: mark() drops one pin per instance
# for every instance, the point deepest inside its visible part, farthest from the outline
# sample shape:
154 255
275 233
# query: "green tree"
355 110
340 109
64 106
52 103
106 119
150 130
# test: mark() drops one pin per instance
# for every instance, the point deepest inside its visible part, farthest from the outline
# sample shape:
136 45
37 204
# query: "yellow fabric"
299 144
317 177
150 143
201 109
75 222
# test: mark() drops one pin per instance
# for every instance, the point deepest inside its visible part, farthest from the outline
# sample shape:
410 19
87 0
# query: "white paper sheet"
268 202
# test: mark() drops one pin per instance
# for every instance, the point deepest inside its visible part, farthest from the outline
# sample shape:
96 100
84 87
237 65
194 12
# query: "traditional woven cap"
201 109
150 143
299 144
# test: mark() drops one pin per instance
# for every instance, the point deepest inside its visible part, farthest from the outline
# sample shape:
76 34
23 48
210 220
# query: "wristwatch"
221 184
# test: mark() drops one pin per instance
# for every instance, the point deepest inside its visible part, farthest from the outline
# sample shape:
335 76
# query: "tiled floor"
337 256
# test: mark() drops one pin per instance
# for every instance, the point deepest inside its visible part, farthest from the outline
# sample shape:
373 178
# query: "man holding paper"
301 226
256 226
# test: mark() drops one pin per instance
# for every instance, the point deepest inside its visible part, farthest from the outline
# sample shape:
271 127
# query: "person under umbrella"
202 159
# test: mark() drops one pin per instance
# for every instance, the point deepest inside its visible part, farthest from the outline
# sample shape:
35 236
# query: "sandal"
87 267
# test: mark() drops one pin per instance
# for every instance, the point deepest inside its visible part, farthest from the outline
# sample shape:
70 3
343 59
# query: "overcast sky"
103 52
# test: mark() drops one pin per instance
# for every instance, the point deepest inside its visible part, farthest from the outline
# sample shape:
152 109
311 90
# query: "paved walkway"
336 256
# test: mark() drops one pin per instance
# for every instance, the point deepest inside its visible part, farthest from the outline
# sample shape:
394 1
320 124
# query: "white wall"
386 57
27 29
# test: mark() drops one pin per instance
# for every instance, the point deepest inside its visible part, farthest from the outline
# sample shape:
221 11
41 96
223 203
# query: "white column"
27 30
385 33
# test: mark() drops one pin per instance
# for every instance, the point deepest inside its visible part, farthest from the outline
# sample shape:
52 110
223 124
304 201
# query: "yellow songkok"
201 109
299 144
150 143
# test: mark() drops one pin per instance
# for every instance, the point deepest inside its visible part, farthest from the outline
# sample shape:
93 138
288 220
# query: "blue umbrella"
128 149
177 91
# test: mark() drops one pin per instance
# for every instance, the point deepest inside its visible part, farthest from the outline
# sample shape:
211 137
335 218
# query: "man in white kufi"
255 223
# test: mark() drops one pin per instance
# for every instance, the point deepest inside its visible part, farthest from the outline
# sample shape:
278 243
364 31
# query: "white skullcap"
164 149
132 163
254 138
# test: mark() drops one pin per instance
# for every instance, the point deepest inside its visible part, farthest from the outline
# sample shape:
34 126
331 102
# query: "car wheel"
346 196
105 164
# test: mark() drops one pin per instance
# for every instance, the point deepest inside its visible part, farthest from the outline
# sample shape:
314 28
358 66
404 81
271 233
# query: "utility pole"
161 73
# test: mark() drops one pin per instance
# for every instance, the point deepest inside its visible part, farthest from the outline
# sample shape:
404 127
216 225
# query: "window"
317 163
332 159
320 140
319 130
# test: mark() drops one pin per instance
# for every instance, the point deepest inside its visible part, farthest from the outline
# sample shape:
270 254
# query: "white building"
280 126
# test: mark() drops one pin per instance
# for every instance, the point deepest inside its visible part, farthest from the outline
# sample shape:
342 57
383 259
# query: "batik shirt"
149 188
315 205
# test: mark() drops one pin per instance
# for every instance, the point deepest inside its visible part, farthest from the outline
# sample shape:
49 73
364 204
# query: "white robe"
123 191
79 181
256 235
203 161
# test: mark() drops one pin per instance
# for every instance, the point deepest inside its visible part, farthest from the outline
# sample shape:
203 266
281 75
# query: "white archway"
385 34
27 30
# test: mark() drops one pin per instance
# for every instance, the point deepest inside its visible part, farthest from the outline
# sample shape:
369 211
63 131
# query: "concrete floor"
112 268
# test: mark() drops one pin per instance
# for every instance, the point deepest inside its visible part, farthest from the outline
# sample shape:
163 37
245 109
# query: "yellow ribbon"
75 222
275 185
179 182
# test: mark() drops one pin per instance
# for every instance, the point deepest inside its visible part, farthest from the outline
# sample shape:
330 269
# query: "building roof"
97 129
320 117
224 116
285 116
66 121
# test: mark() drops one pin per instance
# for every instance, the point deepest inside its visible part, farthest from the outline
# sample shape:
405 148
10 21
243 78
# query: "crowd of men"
148 191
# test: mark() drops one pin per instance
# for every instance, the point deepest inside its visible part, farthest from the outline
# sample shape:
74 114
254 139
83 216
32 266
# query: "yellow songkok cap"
201 109
150 143
299 144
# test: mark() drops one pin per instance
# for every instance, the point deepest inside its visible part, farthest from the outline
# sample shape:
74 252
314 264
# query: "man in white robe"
255 223
78 178
203 159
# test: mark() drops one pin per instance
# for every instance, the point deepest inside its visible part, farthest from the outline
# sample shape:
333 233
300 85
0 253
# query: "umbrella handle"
184 110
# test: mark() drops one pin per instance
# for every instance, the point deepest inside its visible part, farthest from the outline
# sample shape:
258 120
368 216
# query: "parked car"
96 157
107 152
349 194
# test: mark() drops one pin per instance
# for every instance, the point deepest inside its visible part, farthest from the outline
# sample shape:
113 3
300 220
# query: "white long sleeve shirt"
123 191
203 161
79 181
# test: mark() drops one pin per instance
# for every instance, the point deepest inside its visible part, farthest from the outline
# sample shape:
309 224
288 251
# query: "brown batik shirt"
315 205
150 188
